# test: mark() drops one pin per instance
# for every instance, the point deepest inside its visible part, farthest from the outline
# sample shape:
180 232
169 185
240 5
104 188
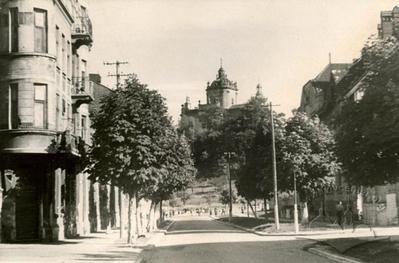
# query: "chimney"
95 78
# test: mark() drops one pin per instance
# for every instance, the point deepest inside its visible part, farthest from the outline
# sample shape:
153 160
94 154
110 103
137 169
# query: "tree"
176 174
225 197
367 136
248 134
204 138
308 151
127 142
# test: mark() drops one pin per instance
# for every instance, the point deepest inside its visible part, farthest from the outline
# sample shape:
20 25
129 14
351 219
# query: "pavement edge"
323 252
152 243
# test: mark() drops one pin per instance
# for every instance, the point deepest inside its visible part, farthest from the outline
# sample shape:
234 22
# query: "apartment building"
44 118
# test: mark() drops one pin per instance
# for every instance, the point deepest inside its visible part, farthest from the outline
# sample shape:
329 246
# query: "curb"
237 226
333 256
289 234
152 245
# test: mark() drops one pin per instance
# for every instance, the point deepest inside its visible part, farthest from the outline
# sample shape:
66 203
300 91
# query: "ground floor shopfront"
48 197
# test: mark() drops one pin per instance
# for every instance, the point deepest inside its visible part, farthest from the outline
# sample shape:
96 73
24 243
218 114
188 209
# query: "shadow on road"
118 256
234 252
202 231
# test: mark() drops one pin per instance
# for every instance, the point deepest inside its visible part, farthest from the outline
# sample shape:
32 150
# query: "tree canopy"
367 136
308 151
135 145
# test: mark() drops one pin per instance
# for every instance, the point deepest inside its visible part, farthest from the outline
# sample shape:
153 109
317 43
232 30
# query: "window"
68 115
13 30
57 112
57 45
63 53
68 69
13 107
63 107
83 74
40 108
40 31
83 127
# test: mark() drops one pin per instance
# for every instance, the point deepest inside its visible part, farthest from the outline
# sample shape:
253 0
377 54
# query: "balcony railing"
82 32
82 91
67 143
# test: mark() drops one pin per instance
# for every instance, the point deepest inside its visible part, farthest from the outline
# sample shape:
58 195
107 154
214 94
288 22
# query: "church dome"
222 82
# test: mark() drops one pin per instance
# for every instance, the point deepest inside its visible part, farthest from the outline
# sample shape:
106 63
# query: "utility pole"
121 199
295 206
276 216
230 191
117 74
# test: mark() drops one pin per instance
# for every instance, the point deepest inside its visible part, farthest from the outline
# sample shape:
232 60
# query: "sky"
175 46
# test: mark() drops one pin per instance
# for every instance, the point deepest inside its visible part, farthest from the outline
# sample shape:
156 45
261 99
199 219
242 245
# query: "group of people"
345 216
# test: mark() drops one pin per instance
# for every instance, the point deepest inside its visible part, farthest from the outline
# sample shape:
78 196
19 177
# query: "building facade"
377 205
44 118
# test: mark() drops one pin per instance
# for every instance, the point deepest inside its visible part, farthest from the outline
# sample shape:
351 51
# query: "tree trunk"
265 209
160 212
154 220
149 222
129 221
137 217
131 236
305 213
252 209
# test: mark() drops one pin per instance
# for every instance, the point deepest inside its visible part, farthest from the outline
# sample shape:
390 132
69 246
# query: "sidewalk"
97 247
365 244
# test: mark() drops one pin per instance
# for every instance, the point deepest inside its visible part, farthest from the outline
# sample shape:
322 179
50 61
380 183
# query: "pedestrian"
340 214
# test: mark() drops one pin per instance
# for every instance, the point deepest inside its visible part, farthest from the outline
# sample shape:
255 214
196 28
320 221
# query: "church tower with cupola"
222 92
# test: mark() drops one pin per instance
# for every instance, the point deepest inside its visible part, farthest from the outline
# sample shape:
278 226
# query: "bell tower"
222 92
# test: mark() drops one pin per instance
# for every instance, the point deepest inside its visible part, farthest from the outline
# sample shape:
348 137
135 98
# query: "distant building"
389 25
221 93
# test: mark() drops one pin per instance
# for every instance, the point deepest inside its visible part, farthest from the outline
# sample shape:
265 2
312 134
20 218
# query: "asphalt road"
200 239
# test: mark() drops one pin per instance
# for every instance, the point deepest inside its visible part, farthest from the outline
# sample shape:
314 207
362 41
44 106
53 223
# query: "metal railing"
82 87
83 26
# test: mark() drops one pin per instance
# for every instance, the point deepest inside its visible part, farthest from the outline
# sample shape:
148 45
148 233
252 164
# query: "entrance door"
27 213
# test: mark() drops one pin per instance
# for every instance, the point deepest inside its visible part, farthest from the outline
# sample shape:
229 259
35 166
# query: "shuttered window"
40 31
13 29
13 106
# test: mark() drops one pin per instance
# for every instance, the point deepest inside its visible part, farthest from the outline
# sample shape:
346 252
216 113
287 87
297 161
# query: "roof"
222 82
386 13
338 70
238 106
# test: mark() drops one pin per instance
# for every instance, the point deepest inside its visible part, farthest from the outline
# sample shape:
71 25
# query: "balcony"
67 143
82 32
82 92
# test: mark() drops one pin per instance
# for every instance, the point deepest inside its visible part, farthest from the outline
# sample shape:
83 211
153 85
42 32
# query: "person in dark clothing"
340 214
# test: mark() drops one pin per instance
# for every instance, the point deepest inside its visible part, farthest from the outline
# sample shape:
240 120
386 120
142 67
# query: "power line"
117 74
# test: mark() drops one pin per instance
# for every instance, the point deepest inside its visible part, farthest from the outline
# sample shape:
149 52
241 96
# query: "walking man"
340 214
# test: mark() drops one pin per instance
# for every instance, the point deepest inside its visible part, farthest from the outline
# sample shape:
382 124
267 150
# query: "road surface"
200 239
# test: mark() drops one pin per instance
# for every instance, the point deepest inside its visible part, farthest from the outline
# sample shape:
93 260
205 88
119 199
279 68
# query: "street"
201 239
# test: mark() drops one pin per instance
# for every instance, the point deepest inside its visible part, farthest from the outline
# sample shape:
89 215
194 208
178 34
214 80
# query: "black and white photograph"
199 131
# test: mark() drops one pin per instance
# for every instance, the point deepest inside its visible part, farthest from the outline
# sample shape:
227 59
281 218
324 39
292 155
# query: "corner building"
44 119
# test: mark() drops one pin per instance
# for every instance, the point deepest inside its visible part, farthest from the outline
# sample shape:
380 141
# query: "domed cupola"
222 91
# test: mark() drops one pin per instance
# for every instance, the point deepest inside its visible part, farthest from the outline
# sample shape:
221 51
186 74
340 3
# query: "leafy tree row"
305 148
136 148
